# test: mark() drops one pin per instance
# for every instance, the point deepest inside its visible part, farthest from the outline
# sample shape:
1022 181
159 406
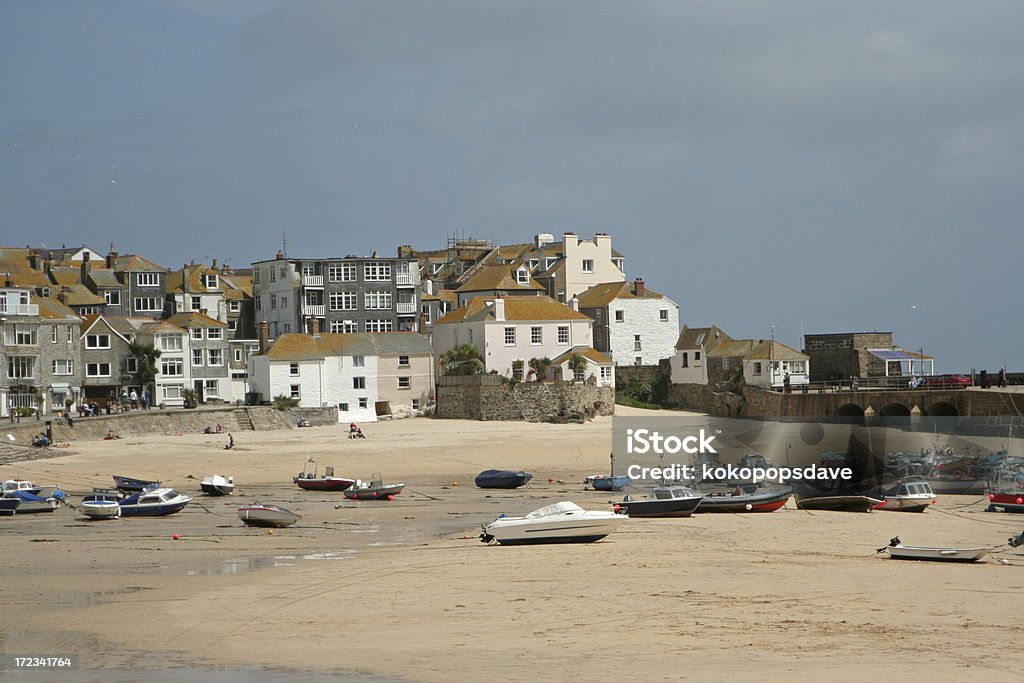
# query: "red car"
948 382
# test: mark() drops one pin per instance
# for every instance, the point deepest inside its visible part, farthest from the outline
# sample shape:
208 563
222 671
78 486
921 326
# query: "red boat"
765 501
309 481
1007 493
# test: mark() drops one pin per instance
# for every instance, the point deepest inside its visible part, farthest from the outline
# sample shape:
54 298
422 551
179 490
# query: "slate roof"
297 347
601 295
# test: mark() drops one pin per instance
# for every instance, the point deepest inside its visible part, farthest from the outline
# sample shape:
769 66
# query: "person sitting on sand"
219 428
207 430
357 434
40 441
111 435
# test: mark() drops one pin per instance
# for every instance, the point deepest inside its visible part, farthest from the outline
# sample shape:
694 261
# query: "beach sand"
405 589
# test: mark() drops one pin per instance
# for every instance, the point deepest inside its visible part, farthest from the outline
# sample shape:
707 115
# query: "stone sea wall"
529 401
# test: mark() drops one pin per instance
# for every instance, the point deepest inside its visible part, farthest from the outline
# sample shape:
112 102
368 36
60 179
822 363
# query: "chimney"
405 251
86 266
575 304
314 327
214 266
111 256
264 336
638 288
202 311
499 310
33 260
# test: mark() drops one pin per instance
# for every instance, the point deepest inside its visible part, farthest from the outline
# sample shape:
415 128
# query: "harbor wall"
529 401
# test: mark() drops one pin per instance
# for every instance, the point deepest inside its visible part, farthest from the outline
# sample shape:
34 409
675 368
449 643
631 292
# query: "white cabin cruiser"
563 522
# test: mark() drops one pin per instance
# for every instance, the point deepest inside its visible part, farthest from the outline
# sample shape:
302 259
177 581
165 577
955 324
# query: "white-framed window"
295 391
273 274
377 301
196 332
197 357
63 367
364 402
169 342
563 334
549 262
197 303
97 341
344 301
215 333
797 367
53 334
404 382
358 382
636 343
234 306
638 360
663 314
536 335
343 407
113 297
341 272
148 303
210 281
376 271
211 388
273 300
88 310
510 336
215 357
20 367
293 369
523 276
71 334
232 325
620 316
534 263
238 355
588 265
20 335
344 326
358 361
403 361
256 276
97 370
172 367
606 373
378 325
172 391
415 404
147 279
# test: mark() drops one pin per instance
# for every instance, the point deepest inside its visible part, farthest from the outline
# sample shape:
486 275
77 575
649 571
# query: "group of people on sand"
41 441
354 432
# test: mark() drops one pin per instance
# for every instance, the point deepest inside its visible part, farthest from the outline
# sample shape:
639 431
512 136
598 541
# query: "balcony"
407 279
404 308
314 309
18 309
313 281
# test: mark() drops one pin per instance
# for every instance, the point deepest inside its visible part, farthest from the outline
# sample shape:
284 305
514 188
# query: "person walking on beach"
1002 376
145 399
134 398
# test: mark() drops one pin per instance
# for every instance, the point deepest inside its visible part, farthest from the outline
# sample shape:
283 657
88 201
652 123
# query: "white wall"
500 357
642 316
329 382
696 371
765 377
576 250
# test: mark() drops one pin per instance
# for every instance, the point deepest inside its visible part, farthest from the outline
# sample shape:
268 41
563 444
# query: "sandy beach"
404 590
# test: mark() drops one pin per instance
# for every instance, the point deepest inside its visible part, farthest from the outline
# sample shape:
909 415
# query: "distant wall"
529 401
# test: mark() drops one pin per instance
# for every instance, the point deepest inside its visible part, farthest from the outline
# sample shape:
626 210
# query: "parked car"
948 381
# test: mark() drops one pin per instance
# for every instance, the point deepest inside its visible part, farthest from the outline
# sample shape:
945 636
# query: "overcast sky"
816 166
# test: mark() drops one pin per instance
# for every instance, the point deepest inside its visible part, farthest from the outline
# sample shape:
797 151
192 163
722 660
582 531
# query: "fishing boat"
608 482
21 485
101 504
130 485
153 502
911 495
375 489
898 551
743 500
311 481
838 503
664 501
502 479
218 485
563 522
266 515
1007 492
30 503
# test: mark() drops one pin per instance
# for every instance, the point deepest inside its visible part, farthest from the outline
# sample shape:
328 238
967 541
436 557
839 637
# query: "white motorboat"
153 502
898 551
563 522
21 485
218 485
910 495
262 514
29 502
101 504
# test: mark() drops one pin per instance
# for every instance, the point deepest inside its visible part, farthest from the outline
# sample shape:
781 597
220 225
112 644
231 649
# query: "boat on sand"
563 522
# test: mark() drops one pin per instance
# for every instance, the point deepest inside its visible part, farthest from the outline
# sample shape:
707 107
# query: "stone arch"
894 410
942 409
850 410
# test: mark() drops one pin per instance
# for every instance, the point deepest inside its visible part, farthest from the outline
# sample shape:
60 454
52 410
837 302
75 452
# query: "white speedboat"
21 485
914 552
563 522
101 504
218 485
263 514
910 495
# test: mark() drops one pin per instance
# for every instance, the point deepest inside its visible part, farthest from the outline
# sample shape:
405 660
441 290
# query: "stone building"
840 356
632 323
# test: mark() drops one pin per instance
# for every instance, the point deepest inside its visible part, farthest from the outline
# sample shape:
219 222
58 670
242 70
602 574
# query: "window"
21 335
232 325
196 332
197 357
636 343
358 382
256 275
549 262
112 297
293 369
378 325
273 300
588 265
197 303
696 356
210 280
686 359
523 276
404 382
147 279
536 335
341 272
20 367
344 327
169 342
172 391
294 391
344 301
563 334
215 357
415 404
403 361
284 301
377 271
273 274
343 407
620 316
510 336
377 301
358 361
215 333
88 310
71 334
97 370
638 360
238 355
211 388
664 315
97 341
797 366
757 368
235 306
172 367
363 402
63 367
131 365
256 301
148 303
53 334
606 373
534 263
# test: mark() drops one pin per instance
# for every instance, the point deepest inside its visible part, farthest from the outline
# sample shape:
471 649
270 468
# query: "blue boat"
29 502
129 485
502 479
153 502
608 482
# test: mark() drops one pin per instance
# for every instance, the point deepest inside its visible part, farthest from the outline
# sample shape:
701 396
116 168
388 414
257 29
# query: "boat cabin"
157 497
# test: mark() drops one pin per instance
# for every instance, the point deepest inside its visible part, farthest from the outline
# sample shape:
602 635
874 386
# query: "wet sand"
405 590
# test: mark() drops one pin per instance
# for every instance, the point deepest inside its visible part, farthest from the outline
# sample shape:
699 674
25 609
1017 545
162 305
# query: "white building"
690 360
510 332
634 324
706 355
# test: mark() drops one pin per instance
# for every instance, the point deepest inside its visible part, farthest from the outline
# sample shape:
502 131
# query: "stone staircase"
243 419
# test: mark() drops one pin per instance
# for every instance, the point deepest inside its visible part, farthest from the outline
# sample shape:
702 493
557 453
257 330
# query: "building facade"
633 324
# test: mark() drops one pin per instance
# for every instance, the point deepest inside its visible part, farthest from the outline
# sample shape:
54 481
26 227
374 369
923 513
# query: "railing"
411 279
313 280
404 308
18 309
21 401
313 309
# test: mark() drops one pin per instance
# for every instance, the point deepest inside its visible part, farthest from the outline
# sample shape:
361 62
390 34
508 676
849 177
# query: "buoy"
176 536
991 497
355 496
1019 500
749 506
455 483
390 497
270 532
615 507
337 507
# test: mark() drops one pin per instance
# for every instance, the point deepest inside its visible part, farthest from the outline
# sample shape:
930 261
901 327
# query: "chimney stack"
575 303
499 310
264 336
639 288
111 256
202 311
214 266
86 266
33 260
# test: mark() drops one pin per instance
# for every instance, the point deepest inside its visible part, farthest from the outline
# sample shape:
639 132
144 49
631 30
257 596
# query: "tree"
463 359
145 356
540 366
282 402
578 366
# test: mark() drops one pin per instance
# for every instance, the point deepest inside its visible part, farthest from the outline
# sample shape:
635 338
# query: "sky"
796 167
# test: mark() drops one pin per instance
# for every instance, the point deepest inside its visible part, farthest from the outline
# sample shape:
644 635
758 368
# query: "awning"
895 354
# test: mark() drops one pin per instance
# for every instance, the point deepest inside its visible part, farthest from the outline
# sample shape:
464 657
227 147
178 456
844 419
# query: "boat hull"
681 507
267 516
323 483
152 510
557 531
937 554
9 506
750 502
609 483
100 510
502 479
132 485
1007 502
217 489
903 505
838 503
374 492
